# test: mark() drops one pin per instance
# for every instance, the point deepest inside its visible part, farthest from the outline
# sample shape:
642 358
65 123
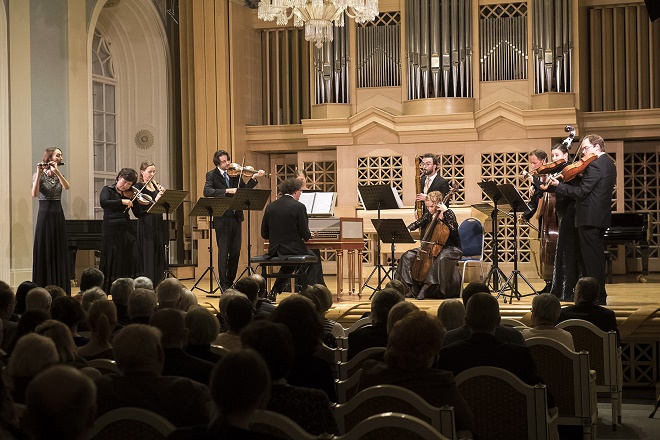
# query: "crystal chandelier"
317 16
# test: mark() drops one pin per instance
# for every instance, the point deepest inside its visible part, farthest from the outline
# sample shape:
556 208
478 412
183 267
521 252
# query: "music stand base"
514 292
209 293
380 281
248 269
496 274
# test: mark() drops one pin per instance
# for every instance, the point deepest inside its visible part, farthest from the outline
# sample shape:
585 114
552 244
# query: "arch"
141 60
5 242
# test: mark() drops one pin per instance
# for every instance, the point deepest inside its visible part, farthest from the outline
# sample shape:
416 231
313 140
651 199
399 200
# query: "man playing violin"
443 273
593 208
228 226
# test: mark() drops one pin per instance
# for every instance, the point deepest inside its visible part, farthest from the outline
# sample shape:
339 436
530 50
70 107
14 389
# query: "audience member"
9 423
54 291
119 291
263 308
7 303
203 328
143 283
61 336
412 347
299 315
68 311
32 355
587 291
188 300
90 296
38 298
61 404
169 293
324 297
21 293
250 288
401 287
545 312
101 320
374 335
91 277
142 304
308 407
451 313
503 333
139 356
28 322
482 348
397 313
177 362
236 311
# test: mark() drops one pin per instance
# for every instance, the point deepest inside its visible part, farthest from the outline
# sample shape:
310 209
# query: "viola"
578 167
548 168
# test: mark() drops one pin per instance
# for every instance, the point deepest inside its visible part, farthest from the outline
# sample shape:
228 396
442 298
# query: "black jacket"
285 226
215 186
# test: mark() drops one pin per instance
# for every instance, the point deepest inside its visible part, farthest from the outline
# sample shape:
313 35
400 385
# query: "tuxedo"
593 214
438 184
228 226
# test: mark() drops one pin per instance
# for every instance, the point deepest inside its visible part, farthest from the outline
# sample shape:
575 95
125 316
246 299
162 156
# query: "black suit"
228 226
286 228
601 317
593 214
438 184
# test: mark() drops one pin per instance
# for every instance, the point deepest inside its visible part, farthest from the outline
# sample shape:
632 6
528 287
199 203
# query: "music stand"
168 202
377 197
490 188
249 200
517 204
210 206
392 231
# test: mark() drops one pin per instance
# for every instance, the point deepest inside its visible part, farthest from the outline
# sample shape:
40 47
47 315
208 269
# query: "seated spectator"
236 311
250 288
142 304
203 328
177 362
61 404
54 291
38 298
545 312
119 291
9 423
32 355
92 295
68 311
139 356
587 292
502 332
374 335
61 336
451 313
482 348
21 292
413 344
188 300
307 407
28 322
101 320
299 315
169 293
324 297
7 303
263 308
401 287
143 283
91 277
398 312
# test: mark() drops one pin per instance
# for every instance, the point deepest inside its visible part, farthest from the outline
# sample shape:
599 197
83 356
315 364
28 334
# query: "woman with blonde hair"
451 313
101 319
60 334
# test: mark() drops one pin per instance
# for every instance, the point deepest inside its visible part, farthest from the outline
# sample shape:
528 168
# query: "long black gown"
120 253
152 237
50 257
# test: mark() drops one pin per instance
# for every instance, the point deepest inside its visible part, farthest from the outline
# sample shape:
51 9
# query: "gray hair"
144 283
92 295
120 289
137 348
142 302
545 309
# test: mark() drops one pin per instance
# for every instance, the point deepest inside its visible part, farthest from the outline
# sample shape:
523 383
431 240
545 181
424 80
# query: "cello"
431 244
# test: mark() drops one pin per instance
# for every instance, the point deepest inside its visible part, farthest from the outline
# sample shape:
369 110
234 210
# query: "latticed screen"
640 363
321 176
507 168
378 43
285 171
381 170
503 41
452 168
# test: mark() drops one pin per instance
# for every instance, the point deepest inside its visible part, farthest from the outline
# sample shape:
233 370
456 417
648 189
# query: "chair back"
347 369
278 425
105 366
471 232
390 426
391 398
510 322
338 331
504 407
357 324
219 350
131 424
348 388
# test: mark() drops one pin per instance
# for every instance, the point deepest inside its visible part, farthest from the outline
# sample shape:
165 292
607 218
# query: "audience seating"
392 426
347 369
358 324
346 389
471 232
510 322
131 424
269 422
105 366
604 357
219 349
385 398
505 407
338 331
573 386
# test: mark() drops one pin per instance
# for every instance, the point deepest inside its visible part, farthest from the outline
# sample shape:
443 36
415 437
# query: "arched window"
104 85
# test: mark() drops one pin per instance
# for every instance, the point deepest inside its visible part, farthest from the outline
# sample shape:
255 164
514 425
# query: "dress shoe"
422 292
547 288
272 296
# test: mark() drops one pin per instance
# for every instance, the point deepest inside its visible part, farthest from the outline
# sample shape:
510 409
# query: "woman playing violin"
443 278
120 253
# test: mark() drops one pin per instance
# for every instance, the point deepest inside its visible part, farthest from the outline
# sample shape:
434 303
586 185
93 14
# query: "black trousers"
228 237
592 255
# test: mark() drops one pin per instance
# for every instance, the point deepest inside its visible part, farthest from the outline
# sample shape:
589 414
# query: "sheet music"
399 202
307 199
319 203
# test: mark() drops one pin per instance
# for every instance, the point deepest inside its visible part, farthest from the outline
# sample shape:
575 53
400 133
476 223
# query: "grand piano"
630 228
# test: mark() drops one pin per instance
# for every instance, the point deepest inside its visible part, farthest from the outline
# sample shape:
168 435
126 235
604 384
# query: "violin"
236 170
578 167
548 168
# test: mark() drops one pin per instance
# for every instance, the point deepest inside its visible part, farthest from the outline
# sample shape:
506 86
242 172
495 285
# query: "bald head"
38 298
172 325
482 314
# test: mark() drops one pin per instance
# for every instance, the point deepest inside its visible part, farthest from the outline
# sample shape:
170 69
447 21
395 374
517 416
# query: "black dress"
120 252
565 275
50 257
152 237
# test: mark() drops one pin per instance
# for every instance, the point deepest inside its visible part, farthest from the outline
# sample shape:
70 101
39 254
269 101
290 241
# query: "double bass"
431 244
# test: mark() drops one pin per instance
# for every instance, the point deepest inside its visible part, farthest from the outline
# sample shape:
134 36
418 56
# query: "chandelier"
317 16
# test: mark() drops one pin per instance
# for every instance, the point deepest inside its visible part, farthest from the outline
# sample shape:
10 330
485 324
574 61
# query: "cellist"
443 279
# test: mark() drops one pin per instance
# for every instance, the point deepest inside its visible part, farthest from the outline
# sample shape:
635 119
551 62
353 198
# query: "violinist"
219 183
120 252
443 278
593 208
